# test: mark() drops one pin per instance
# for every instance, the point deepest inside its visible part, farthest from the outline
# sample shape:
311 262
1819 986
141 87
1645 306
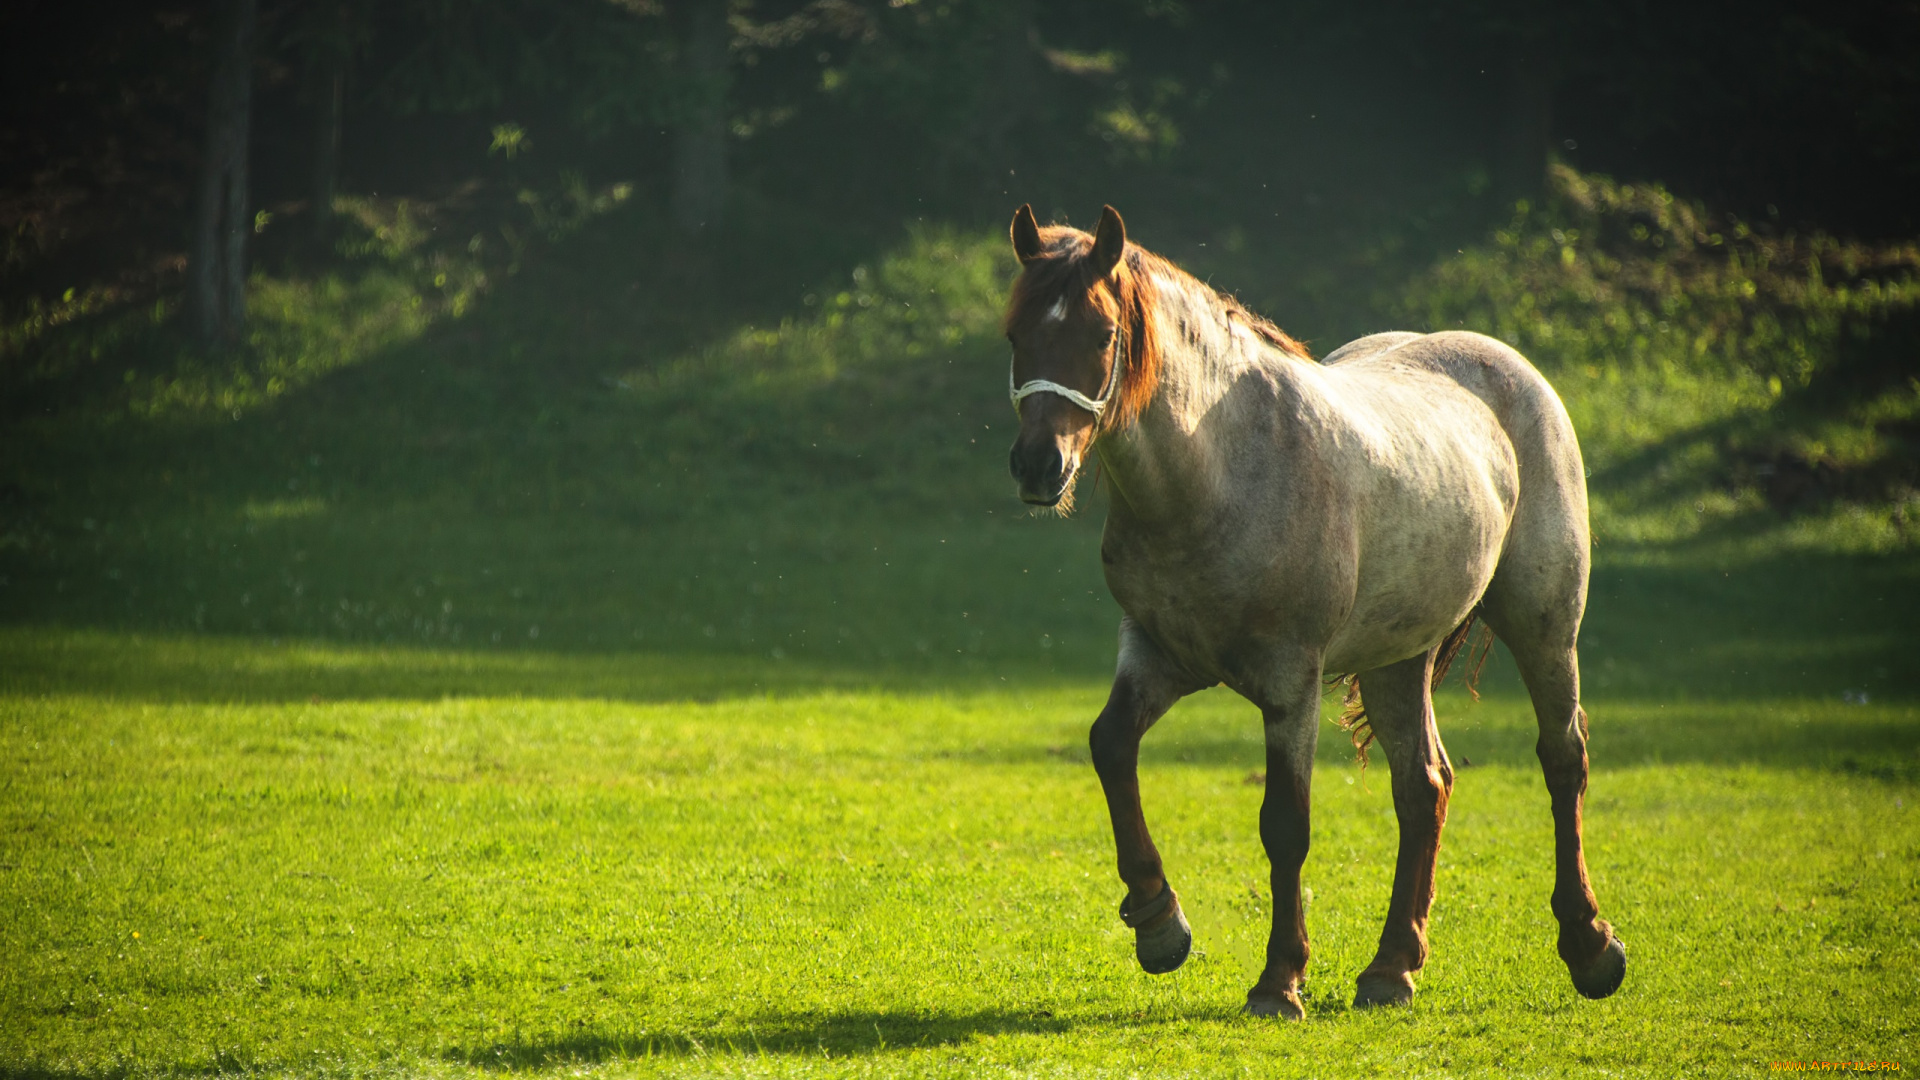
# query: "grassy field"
564 669
326 864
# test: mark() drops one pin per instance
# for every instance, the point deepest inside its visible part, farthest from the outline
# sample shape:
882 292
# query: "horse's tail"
1451 645
1353 711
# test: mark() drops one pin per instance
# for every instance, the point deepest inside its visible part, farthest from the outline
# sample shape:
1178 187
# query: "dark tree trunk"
218 275
978 156
1013 86
1526 126
203 272
700 137
239 220
330 102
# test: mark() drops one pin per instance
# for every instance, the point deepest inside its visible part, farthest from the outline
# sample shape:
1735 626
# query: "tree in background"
1525 136
700 124
217 280
1227 117
328 35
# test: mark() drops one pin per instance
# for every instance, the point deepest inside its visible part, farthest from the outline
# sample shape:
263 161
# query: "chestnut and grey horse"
1273 521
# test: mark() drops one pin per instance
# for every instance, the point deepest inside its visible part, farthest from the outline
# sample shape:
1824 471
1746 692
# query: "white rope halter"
1096 406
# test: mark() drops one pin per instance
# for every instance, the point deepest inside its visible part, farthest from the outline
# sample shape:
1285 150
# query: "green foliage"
396 277
394 285
938 290
884 384
1680 343
1627 283
601 68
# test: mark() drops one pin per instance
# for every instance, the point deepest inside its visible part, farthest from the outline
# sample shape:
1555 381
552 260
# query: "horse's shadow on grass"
856 1033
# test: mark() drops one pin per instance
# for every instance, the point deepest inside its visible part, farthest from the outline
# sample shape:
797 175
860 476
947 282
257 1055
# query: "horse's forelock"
1047 279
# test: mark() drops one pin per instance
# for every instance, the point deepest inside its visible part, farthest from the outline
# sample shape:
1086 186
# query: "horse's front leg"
1145 686
1291 715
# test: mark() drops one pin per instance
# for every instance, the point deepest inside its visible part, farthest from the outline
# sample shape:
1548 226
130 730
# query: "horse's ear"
1109 242
1026 234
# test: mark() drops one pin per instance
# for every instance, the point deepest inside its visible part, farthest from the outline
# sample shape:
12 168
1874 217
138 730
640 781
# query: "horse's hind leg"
1535 601
1550 665
1144 688
1399 706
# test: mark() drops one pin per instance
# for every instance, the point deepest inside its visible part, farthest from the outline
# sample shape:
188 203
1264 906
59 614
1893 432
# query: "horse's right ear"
1109 242
1026 234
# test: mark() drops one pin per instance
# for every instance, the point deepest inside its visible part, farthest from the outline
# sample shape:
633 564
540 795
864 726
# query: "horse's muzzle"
1042 472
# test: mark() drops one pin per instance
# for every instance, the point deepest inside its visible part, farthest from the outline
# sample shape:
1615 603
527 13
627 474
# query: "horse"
1273 521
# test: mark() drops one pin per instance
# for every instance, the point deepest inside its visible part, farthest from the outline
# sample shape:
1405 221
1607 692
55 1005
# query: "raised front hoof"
1382 988
1164 949
1284 1004
1603 975
1161 937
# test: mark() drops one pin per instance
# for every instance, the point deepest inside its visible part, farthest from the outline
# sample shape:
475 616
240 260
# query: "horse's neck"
1172 460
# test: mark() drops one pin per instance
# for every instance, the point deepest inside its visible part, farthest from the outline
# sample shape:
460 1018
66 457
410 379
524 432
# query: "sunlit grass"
834 882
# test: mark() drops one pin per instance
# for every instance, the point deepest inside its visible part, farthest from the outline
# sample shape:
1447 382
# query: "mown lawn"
335 867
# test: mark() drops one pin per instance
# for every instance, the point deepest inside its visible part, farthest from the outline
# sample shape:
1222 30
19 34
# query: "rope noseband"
1096 406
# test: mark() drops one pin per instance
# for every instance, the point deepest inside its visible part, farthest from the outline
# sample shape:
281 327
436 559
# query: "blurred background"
619 327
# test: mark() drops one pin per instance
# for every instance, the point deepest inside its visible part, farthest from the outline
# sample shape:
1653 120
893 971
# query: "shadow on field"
184 668
1793 625
1789 627
844 1034
1846 731
1879 741
1869 740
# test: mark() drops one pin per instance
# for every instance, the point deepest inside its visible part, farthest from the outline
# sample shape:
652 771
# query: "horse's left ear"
1109 242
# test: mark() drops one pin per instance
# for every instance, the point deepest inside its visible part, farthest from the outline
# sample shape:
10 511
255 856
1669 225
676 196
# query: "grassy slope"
614 672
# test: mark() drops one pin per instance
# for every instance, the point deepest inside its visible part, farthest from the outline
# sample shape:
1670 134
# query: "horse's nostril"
1035 467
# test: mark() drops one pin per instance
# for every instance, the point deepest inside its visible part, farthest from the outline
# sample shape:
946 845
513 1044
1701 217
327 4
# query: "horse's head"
1076 328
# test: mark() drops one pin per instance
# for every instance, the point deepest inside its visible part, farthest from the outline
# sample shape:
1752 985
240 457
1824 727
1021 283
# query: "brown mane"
1129 298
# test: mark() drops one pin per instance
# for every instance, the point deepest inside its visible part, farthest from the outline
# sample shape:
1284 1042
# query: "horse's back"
1371 345
1539 588
1521 400
1486 367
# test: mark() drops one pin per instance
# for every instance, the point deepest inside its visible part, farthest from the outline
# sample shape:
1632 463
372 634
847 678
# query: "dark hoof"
1283 1004
1161 937
1603 976
1382 988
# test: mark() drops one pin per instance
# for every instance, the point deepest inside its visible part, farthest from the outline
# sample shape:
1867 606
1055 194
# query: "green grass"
343 870
567 664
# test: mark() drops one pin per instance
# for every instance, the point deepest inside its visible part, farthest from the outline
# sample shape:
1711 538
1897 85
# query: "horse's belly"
1415 588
